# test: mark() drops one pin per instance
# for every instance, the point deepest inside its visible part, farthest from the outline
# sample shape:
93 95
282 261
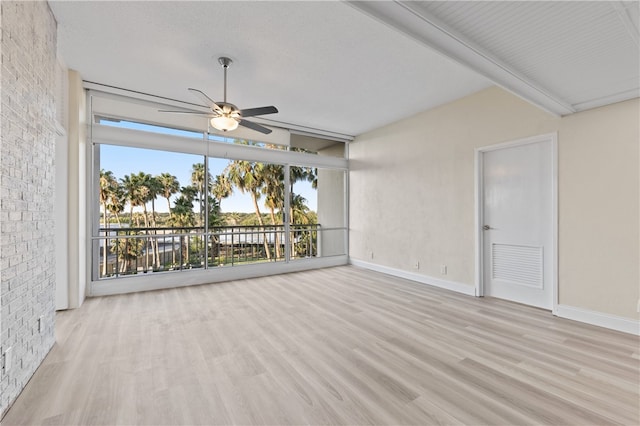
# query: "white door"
518 214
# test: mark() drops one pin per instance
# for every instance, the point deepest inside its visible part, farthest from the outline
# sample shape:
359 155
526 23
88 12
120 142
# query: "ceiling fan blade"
252 112
206 99
186 112
255 126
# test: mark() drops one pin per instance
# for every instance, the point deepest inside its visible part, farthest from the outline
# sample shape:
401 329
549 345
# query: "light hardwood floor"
332 346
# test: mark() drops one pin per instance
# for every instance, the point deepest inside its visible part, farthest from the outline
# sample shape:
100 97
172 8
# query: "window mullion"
285 215
205 237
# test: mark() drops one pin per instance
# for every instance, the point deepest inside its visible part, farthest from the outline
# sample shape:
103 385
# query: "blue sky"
125 161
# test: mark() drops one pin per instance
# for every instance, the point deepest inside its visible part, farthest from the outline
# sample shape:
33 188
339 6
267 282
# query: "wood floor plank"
332 346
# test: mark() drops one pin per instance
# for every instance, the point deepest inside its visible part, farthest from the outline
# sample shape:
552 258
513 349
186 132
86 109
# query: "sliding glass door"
167 199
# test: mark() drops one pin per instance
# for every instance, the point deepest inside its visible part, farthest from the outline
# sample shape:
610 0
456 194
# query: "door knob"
486 227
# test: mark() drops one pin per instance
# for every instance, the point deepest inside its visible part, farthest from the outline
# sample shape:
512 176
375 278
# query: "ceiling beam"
407 17
627 21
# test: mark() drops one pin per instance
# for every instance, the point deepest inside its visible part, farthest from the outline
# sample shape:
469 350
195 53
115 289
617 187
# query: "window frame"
111 106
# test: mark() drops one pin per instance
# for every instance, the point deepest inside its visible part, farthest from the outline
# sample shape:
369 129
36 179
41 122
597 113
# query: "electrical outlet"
7 360
443 269
370 254
41 324
416 264
638 305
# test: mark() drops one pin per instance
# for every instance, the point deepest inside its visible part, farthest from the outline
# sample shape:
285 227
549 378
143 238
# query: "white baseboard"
600 319
587 316
469 290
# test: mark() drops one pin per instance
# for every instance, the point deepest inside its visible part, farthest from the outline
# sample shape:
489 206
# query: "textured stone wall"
27 152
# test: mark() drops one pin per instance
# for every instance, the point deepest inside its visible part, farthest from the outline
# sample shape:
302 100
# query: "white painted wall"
412 194
77 187
331 210
412 182
599 188
332 205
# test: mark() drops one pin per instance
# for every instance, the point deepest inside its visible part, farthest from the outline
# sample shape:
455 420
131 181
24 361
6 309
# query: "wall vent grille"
516 264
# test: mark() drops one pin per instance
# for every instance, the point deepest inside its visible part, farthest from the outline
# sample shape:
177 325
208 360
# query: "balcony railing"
127 251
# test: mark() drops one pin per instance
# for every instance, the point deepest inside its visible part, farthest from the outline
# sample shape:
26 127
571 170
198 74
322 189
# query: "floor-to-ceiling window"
151 214
171 196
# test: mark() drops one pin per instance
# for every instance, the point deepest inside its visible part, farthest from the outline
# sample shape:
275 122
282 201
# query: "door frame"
479 209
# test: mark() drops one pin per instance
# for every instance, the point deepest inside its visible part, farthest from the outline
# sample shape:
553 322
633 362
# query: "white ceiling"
352 67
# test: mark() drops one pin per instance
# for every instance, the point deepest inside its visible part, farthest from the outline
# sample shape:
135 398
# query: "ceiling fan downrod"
225 62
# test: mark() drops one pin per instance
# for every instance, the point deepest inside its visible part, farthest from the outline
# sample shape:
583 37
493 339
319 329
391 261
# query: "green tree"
297 203
155 189
299 216
137 193
182 216
222 187
169 185
117 202
299 210
202 182
216 220
273 191
108 186
143 196
248 177
127 250
128 183
300 174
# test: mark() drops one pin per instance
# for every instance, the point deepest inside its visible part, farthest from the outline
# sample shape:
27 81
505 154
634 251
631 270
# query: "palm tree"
273 190
127 250
154 190
300 215
129 186
298 174
201 180
137 194
215 221
249 177
117 202
108 185
169 186
143 196
182 217
221 188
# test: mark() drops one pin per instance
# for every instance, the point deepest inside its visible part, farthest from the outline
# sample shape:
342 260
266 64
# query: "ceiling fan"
226 116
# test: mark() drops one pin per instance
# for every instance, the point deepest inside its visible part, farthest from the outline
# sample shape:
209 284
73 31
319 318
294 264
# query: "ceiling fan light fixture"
225 116
224 123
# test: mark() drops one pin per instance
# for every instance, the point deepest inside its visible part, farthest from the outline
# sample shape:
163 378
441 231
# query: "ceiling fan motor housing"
228 109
